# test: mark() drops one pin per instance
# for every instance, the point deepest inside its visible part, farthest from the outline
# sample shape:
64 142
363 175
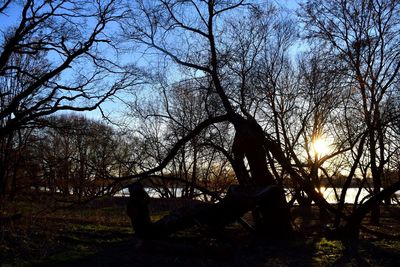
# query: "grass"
100 234
48 239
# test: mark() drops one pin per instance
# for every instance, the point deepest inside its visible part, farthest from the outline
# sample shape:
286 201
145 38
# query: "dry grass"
99 234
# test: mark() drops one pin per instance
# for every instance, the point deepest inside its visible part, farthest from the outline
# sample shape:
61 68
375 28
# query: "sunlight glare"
321 147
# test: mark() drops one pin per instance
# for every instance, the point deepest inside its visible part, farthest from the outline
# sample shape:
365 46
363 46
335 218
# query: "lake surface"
351 194
328 193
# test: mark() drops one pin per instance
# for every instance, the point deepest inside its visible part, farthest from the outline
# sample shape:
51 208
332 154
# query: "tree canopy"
216 93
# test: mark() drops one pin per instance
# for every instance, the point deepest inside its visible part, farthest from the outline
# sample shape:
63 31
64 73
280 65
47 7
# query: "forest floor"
99 234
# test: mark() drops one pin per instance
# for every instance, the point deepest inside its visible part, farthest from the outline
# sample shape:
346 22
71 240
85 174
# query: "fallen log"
236 203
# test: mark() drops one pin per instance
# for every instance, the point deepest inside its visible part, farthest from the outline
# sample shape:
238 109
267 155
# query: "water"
153 193
351 194
328 193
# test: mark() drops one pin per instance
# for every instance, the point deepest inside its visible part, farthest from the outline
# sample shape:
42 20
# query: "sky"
111 107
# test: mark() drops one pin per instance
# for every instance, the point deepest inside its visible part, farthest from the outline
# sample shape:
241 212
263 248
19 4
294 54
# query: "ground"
99 234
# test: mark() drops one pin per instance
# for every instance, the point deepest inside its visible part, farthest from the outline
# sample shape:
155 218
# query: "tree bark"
352 227
249 147
238 201
138 210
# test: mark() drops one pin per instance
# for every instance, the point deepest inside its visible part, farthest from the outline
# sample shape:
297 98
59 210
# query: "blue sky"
113 107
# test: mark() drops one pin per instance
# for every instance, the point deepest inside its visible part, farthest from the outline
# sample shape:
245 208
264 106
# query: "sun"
320 147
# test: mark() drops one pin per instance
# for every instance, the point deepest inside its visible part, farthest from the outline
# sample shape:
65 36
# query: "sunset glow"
320 147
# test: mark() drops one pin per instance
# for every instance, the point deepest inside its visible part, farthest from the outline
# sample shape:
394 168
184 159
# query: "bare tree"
363 36
200 46
55 56
242 64
76 156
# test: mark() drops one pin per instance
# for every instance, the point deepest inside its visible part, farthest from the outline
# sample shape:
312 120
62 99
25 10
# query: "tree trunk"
238 201
349 178
249 146
352 227
138 210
